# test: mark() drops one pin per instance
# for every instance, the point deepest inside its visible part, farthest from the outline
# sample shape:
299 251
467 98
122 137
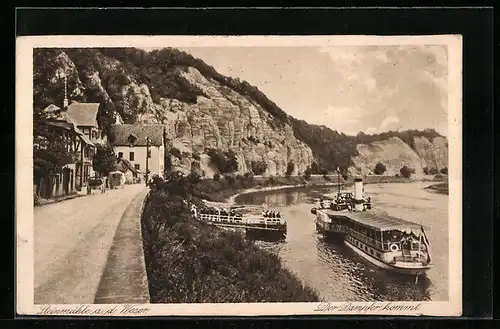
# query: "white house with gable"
130 142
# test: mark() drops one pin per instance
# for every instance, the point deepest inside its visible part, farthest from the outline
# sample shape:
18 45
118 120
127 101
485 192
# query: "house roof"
51 108
119 134
63 120
84 114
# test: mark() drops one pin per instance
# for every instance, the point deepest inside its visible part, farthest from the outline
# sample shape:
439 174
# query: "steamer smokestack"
358 185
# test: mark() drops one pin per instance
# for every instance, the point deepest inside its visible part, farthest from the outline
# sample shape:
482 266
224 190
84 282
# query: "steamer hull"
398 267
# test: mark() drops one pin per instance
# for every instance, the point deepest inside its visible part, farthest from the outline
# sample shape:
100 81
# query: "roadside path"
72 241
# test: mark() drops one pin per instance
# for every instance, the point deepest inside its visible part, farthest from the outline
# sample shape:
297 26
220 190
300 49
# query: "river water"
339 274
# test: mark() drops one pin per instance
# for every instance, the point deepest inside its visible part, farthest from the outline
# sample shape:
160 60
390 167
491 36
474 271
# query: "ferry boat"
388 242
253 219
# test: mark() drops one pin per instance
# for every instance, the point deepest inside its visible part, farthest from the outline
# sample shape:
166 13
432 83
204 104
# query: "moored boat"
254 220
386 241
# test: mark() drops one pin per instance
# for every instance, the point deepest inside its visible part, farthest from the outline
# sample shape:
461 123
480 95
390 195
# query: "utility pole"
338 180
65 102
147 160
81 164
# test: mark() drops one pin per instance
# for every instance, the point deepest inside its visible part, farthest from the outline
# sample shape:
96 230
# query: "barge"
255 220
386 241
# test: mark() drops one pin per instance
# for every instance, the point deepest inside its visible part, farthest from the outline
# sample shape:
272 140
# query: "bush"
444 171
380 169
406 172
229 178
426 170
176 152
433 171
290 167
307 173
194 178
226 162
259 167
216 176
196 156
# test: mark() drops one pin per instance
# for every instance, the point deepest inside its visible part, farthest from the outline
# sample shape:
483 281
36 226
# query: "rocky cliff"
394 153
203 110
223 119
220 118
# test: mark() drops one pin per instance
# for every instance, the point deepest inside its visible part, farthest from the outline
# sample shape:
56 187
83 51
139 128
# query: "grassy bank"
192 262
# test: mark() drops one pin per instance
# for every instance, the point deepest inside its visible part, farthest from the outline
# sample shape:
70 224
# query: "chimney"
358 186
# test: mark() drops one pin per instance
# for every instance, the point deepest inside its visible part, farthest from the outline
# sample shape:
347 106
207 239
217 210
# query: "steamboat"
255 220
388 242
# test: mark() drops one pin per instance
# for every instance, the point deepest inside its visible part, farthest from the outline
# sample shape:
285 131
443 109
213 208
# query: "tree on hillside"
175 152
318 169
406 172
290 167
307 173
444 171
104 159
50 149
433 171
226 162
380 169
259 167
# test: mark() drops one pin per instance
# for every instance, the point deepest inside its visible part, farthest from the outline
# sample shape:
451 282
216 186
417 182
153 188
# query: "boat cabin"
385 237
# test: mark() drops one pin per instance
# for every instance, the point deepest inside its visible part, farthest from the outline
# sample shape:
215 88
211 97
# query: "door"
66 181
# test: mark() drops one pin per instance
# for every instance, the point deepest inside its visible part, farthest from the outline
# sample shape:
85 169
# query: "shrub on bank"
192 262
380 169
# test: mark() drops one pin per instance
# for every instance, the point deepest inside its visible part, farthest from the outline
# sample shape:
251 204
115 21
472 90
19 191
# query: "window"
137 166
131 157
120 154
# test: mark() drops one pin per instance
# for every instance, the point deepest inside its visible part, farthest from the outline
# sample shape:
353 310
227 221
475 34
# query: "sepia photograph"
204 175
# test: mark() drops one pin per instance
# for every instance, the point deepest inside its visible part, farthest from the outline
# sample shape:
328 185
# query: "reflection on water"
337 272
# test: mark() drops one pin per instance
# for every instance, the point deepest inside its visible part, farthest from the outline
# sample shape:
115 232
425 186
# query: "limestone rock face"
394 154
225 120
434 154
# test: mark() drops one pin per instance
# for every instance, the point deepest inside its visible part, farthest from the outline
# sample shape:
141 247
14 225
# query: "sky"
350 89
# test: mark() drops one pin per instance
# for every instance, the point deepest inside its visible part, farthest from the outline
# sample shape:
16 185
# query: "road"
72 241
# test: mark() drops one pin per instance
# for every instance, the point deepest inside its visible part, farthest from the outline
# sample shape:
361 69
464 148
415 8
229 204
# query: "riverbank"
440 188
189 261
275 188
227 189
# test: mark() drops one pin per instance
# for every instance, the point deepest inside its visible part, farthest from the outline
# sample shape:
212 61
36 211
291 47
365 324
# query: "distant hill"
205 110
